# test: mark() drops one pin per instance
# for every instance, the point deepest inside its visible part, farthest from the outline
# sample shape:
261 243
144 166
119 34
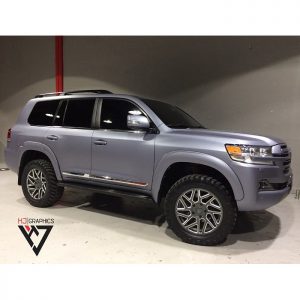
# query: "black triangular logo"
27 231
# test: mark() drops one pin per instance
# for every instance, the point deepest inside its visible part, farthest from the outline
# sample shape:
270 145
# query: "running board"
104 190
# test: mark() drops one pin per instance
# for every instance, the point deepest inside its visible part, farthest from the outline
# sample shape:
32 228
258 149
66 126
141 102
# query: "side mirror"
137 122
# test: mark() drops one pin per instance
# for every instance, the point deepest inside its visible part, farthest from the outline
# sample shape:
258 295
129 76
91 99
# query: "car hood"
229 137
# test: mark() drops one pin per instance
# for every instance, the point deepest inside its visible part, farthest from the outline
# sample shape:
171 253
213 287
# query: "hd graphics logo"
36 231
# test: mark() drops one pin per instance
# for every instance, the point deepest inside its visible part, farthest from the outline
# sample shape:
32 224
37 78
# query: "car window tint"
114 113
43 112
172 116
79 113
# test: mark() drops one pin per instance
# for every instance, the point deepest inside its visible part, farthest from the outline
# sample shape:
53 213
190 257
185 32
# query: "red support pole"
59 64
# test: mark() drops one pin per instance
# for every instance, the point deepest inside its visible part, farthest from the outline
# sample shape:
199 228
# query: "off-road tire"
53 191
220 191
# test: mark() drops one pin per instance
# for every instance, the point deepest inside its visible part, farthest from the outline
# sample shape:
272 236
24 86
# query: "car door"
70 137
120 155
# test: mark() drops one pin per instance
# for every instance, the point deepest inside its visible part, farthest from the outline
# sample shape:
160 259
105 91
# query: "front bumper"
256 198
263 199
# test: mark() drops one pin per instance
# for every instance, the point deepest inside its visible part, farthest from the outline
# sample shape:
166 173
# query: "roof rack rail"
73 92
88 91
49 94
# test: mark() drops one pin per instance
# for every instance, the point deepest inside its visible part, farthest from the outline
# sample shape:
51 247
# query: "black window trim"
153 128
57 110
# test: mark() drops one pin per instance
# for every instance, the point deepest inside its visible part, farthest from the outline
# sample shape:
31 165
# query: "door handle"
52 137
100 142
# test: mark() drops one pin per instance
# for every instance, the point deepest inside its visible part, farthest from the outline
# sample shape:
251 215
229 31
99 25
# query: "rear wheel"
39 184
200 210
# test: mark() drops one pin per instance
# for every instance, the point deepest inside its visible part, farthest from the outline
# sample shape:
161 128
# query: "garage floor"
92 228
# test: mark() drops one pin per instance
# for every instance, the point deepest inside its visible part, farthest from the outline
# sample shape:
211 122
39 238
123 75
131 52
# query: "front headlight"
250 154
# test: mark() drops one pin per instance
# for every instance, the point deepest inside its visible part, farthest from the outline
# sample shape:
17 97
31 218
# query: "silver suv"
126 144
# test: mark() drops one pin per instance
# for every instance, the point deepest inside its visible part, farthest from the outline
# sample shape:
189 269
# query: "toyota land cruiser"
126 144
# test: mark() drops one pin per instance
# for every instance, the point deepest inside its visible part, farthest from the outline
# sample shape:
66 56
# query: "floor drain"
297 194
4 169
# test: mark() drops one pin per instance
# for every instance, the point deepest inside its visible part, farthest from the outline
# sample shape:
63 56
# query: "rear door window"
79 113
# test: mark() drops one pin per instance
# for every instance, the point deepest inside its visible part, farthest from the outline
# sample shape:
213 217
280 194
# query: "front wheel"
39 184
200 210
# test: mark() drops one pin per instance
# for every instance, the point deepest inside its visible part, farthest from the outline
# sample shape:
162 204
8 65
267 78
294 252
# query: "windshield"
172 116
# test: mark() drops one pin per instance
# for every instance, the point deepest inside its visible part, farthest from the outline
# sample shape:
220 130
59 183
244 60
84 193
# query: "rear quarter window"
43 113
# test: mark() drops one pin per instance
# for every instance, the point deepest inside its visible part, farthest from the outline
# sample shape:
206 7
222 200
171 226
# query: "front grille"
286 170
282 151
286 166
286 163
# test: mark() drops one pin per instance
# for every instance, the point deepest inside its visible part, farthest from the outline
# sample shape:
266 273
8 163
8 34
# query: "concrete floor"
93 228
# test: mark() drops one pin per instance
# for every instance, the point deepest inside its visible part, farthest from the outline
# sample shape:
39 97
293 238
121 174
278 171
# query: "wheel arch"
35 150
186 163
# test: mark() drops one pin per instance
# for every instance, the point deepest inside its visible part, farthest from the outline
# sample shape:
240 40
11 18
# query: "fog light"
264 185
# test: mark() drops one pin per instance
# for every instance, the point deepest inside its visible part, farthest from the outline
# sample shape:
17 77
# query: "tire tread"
217 238
55 191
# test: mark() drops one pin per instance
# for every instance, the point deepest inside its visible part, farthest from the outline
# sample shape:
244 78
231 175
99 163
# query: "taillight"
9 135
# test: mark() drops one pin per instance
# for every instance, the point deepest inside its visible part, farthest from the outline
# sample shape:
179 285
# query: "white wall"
26 69
265 101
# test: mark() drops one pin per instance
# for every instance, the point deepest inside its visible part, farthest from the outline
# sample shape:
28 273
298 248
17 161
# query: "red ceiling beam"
59 63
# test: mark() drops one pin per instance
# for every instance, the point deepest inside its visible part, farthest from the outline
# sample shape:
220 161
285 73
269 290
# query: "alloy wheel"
36 184
199 211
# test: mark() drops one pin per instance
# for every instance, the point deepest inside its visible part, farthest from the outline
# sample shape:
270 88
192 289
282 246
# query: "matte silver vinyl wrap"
143 158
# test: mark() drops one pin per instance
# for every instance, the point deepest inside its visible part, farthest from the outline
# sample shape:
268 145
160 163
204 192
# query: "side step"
104 190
